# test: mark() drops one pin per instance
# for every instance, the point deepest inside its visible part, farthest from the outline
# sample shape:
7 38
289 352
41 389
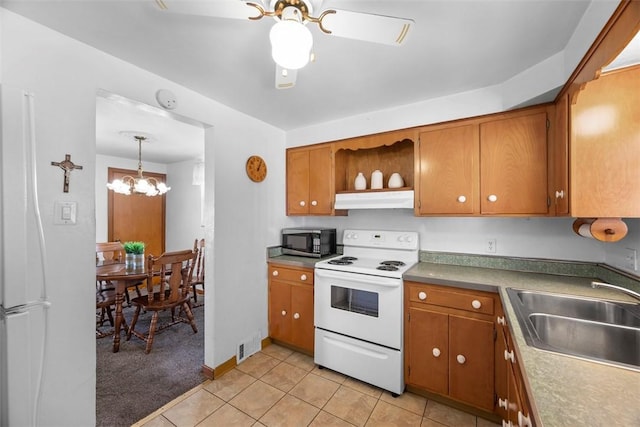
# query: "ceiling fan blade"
234 9
285 79
367 27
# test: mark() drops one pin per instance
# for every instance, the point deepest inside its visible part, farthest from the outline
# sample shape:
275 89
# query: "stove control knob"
355 236
409 239
401 238
422 296
348 236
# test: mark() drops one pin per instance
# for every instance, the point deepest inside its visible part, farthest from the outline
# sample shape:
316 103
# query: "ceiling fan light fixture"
291 44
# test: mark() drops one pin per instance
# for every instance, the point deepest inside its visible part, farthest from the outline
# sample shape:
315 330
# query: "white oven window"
354 300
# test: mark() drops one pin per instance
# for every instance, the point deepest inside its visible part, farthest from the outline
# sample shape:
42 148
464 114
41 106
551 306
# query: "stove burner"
393 263
387 267
345 260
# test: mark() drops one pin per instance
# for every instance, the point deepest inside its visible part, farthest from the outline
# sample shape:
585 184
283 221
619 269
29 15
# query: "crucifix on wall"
67 165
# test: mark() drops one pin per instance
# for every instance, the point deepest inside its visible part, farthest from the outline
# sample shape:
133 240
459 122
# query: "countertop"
297 261
564 391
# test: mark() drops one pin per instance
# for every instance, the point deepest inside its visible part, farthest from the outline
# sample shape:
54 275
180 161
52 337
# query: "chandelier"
128 185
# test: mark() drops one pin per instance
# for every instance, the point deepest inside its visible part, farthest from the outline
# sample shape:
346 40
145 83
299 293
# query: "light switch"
65 213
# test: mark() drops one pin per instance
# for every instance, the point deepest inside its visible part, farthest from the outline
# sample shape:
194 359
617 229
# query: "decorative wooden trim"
207 371
614 37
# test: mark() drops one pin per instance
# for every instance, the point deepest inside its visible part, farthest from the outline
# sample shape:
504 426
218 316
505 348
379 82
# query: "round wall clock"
256 168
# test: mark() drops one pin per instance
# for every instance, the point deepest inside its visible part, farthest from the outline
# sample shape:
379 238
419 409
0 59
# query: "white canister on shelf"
360 182
396 181
376 180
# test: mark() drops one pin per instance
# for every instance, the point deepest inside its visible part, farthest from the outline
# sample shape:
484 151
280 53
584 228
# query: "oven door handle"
360 278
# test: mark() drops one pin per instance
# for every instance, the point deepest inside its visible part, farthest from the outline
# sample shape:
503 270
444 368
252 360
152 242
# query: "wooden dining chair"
175 270
114 251
105 290
198 270
105 302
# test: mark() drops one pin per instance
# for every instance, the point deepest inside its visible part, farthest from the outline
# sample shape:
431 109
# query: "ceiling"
454 46
169 137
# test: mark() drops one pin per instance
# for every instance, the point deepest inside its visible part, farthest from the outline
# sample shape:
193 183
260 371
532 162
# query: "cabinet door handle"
508 355
507 423
560 194
296 316
436 352
523 420
422 296
275 273
461 359
302 203
501 321
303 277
492 198
462 199
284 312
314 203
476 304
502 403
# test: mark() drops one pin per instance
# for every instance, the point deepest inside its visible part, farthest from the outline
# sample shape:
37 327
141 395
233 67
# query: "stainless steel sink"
598 310
593 329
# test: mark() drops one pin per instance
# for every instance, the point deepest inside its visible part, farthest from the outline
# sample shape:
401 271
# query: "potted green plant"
134 254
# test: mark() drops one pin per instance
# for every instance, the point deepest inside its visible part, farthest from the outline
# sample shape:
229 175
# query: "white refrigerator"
23 289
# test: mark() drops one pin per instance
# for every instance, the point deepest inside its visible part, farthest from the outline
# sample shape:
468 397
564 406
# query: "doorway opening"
131 384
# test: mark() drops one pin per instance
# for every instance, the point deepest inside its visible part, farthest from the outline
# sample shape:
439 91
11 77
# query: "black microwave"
311 242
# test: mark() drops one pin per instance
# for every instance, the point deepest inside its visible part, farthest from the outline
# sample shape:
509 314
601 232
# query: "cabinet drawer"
291 274
444 298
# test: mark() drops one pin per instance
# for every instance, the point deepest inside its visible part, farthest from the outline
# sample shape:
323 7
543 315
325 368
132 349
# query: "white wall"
64 76
184 220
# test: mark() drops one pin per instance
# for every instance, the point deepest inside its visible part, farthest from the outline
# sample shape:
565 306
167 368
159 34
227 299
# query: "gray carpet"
131 384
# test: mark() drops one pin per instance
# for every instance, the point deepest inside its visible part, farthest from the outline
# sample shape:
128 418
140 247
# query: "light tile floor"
279 387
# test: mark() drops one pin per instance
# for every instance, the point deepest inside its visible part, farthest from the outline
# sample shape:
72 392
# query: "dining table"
121 276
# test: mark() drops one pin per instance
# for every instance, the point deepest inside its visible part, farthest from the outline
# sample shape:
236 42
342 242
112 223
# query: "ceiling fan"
291 40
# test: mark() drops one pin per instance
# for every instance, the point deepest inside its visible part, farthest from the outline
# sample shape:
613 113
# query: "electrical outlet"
490 246
631 259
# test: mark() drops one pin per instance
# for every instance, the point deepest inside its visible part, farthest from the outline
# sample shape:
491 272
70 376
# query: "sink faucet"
629 292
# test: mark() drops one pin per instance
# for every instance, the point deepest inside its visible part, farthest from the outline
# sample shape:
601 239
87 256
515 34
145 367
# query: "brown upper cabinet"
491 165
605 147
597 142
310 189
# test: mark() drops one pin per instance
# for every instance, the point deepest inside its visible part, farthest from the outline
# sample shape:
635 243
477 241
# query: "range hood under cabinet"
402 198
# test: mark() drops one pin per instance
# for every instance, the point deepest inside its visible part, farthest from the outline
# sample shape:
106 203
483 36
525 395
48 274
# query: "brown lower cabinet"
458 345
450 342
291 306
513 403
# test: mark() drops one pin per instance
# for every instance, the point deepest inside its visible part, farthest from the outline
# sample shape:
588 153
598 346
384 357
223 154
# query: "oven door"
359 305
